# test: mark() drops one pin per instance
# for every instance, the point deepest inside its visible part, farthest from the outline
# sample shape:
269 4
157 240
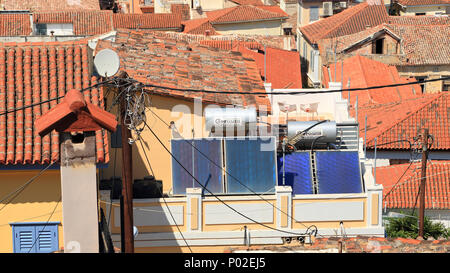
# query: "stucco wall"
34 204
256 28
169 109
428 10
429 71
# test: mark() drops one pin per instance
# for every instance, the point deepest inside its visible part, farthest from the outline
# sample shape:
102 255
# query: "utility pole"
127 180
423 180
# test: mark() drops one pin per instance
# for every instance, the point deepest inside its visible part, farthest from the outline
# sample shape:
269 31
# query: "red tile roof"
419 20
422 2
404 120
88 22
181 9
54 5
246 13
147 21
199 26
282 66
84 22
351 20
248 2
437 192
150 57
35 72
15 25
362 73
426 43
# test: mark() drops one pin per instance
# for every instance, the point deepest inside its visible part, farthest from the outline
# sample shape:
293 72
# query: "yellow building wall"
253 28
429 71
34 204
168 109
331 224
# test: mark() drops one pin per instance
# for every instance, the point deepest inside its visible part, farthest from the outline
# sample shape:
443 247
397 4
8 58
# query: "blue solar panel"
251 162
206 172
338 172
297 172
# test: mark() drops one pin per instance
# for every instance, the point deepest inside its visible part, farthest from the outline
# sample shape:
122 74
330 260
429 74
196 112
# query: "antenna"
107 62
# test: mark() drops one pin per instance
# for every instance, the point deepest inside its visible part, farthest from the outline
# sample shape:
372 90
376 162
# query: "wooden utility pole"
423 180
127 181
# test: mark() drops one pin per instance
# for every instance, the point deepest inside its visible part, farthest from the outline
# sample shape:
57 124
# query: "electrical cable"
21 188
165 202
292 92
48 220
233 177
212 194
53 99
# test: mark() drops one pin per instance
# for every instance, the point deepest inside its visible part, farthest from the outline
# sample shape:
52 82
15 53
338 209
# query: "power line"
233 177
21 188
53 99
164 199
287 92
48 220
220 200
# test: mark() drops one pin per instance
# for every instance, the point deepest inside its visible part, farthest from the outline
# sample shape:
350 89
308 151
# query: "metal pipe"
365 137
193 159
375 163
284 160
265 63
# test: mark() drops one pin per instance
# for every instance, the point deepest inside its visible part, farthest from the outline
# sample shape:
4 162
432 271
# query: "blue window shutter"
24 237
47 238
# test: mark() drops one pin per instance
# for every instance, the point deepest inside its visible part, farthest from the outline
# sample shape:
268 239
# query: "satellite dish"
107 62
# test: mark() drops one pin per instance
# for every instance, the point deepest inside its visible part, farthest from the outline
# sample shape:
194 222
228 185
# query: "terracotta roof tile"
147 21
88 22
245 13
248 2
15 25
419 20
351 20
362 72
282 66
426 43
181 9
31 73
404 120
199 26
437 193
422 2
152 58
54 5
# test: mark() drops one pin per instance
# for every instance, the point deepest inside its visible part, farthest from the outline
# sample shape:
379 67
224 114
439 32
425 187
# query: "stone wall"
358 244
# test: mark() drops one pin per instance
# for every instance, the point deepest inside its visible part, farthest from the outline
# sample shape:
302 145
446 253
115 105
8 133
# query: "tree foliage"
408 227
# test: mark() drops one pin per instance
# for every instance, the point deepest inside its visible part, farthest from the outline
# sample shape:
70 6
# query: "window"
41 29
311 60
35 237
422 85
304 49
420 13
313 13
446 83
377 46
